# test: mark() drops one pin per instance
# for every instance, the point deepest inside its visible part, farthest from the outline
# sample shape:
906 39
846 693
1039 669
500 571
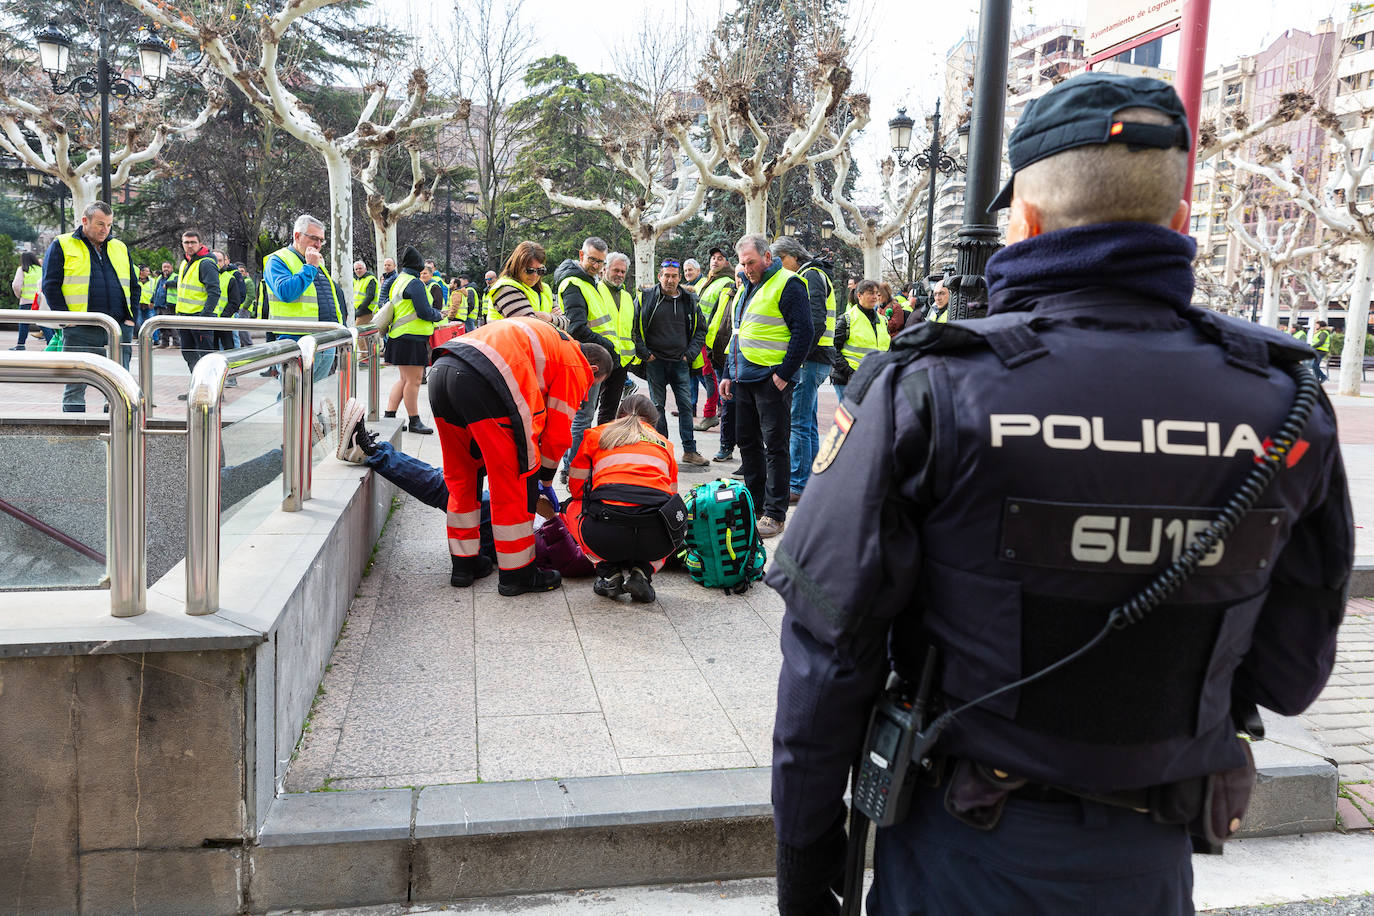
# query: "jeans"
37 329
676 374
612 390
839 393
806 438
88 339
763 420
469 324
581 420
1318 369
422 481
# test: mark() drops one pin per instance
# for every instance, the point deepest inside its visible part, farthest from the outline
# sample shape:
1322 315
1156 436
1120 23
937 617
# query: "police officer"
993 488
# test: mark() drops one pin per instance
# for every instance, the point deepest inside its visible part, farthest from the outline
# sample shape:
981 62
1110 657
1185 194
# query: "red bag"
554 547
443 334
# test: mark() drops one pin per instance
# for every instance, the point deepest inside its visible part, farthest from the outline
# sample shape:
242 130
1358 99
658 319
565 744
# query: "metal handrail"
202 323
127 562
204 405
42 527
25 316
372 334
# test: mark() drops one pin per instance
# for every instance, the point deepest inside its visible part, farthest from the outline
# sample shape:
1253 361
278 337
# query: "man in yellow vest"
299 287
718 291
468 309
365 290
198 296
87 271
622 335
145 296
586 303
1321 342
939 309
772 335
806 384
490 280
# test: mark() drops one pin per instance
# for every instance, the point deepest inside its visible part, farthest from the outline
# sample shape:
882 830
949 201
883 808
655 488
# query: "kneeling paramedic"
1096 472
625 513
503 398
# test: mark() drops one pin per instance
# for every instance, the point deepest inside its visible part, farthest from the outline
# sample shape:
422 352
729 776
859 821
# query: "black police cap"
1082 112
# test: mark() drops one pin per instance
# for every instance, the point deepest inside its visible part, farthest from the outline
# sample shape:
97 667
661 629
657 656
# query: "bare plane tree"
261 82
1276 245
852 227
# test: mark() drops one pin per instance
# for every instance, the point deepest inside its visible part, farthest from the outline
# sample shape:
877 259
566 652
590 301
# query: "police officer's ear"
1025 221
1179 221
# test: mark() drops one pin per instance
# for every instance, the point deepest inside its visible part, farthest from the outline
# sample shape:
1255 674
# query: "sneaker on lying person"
356 441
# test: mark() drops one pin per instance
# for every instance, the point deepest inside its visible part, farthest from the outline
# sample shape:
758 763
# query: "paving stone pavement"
431 684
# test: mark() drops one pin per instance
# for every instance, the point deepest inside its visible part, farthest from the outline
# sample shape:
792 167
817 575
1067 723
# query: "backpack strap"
1011 336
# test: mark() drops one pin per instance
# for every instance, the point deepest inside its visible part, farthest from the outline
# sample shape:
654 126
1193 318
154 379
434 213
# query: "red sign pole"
1192 53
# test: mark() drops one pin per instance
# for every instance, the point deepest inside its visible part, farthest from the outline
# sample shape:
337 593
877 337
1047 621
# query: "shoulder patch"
825 455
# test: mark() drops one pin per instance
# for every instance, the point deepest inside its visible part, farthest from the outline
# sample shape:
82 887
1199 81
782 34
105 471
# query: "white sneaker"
348 449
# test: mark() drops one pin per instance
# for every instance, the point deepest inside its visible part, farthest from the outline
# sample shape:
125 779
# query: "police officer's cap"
1082 112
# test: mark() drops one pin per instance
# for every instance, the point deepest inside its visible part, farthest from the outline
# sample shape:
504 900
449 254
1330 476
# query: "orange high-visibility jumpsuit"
646 466
504 396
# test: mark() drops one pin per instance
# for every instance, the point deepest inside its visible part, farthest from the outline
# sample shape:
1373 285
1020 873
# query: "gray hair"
360 264
97 206
615 257
594 243
691 262
786 245
757 241
1106 182
304 222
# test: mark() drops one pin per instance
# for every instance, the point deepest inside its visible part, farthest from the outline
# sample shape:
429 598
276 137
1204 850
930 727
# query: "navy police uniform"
993 488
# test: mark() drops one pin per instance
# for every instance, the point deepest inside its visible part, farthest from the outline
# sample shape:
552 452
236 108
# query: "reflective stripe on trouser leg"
463 476
512 516
572 517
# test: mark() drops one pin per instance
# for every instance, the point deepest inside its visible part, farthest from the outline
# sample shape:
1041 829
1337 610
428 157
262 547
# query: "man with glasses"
198 296
298 286
668 334
586 303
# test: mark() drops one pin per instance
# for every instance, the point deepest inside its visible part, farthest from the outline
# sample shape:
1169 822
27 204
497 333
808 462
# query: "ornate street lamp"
827 228
933 159
789 226
469 205
54 55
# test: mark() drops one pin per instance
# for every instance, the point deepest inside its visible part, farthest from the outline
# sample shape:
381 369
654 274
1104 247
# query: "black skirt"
407 350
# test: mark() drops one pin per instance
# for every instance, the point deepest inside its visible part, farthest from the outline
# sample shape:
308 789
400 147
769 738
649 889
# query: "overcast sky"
902 43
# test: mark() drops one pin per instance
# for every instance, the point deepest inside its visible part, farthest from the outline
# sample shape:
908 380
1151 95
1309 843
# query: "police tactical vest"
404 319
76 270
865 335
1058 488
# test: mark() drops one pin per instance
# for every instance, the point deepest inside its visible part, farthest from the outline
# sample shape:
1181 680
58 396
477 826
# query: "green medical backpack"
722 548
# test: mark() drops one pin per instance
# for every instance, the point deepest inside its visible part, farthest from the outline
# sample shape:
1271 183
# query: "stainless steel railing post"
203 449
292 378
125 547
373 348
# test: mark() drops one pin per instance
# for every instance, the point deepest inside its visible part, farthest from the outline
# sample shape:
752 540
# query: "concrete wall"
139 756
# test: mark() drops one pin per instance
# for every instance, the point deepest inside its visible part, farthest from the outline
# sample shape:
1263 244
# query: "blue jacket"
289 287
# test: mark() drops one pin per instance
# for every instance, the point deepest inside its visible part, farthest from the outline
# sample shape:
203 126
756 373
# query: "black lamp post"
1254 287
978 238
54 54
935 160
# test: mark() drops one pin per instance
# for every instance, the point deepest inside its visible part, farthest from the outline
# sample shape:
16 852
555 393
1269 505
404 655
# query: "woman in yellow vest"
415 304
520 291
861 330
27 279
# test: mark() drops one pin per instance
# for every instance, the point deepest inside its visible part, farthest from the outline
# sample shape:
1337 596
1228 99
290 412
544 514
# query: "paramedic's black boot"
466 570
528 578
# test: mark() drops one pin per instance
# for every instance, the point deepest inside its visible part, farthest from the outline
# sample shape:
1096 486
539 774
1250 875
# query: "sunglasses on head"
671 263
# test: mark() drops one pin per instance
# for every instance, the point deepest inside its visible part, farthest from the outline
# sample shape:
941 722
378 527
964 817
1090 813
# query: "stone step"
442 843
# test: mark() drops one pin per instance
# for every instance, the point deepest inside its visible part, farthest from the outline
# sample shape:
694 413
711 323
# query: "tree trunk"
756 211
644 261
84 193
1269 312
873 259
1321 309
384 241
1356 320
340 250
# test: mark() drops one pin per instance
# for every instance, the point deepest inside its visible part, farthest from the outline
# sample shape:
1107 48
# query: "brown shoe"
794 498
769 527
694 458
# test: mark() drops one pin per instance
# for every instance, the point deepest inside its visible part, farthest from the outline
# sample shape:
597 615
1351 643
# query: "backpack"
722 548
